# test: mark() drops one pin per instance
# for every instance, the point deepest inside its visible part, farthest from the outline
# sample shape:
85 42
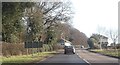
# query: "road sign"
34 44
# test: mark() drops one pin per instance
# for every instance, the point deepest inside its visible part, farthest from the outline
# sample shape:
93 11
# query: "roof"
67 44
102 36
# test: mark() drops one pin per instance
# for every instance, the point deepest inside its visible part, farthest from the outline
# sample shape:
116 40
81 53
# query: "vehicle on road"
69 48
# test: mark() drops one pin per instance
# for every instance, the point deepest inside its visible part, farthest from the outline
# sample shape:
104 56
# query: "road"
68 59
82 57
64 58
97 59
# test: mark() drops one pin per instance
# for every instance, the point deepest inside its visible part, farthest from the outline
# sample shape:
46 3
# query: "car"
68 48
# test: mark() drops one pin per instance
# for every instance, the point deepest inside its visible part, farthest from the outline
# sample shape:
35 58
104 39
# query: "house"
103 42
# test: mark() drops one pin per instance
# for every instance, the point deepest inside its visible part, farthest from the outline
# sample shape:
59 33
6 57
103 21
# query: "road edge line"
86 61
83 59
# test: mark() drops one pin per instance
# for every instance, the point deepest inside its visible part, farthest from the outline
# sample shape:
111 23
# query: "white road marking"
83 59
86 61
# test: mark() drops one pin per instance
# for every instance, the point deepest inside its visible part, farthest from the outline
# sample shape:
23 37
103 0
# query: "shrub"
9 49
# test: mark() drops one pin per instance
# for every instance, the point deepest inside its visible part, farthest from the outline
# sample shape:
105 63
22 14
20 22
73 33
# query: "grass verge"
110 52
28 58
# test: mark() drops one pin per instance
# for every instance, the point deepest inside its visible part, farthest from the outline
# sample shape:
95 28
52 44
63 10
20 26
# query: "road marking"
84 59
77 53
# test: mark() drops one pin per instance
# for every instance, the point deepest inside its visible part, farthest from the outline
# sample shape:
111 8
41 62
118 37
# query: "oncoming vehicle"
69 48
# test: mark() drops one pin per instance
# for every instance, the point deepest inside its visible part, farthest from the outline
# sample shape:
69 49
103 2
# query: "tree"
34 23
113 34
53 14
90 43
28 21
12 13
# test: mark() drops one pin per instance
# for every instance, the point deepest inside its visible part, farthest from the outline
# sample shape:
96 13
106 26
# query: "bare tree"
55 12
113 34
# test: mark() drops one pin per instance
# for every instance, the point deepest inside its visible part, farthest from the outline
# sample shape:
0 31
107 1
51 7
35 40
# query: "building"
103 42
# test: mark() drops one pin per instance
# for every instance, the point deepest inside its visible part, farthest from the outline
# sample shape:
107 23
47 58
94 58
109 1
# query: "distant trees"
90 42
71 34
95 38
78 38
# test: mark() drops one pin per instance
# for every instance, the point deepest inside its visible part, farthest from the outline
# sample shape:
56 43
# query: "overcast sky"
91 14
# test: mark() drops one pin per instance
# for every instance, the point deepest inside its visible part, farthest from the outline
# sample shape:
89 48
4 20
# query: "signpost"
34 44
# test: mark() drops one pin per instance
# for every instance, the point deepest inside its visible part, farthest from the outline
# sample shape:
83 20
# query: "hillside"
78 37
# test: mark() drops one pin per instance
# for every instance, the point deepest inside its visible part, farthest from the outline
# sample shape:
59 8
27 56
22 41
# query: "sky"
92 14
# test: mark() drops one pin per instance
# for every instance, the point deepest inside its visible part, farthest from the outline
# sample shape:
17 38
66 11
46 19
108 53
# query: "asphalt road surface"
81 57
64 58
97 59
71 59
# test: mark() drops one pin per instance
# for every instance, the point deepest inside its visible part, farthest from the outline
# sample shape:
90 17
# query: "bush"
47 47
12 49
57 46
9 49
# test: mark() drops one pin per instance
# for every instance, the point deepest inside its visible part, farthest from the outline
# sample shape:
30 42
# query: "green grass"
111 52
27 58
